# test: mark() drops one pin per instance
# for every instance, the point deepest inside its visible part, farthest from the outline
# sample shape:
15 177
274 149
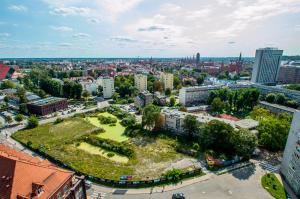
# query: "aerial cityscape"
139 99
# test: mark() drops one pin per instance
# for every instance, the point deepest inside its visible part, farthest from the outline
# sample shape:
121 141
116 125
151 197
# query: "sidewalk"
160 189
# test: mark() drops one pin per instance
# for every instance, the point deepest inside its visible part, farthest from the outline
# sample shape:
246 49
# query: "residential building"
47 106
6 72
140 82
167 80
160 99
108 85
195 95
290 73
266 66
143 99
24 176
89 85
290 167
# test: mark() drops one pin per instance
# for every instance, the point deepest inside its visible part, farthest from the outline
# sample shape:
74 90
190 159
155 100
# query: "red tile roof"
228 117
3 71
19 172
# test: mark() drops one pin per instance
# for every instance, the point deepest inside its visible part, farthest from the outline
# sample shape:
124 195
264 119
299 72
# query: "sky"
147 28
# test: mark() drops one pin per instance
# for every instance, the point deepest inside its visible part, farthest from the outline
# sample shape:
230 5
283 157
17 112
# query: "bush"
110 154
196 146
174 175
58 120
107 120
19 117
32 122
112 124
128 121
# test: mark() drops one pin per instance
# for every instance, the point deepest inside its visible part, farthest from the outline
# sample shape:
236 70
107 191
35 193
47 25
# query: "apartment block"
167 80
143 99
108 85
290 167
140 82
289 74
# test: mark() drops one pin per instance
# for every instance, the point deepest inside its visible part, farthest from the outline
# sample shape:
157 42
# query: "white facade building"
108 85
167 80
140 82
89 86
290 167
266 66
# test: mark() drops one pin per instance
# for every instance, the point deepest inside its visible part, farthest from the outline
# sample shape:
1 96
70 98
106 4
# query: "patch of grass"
271 183
112 132
104 153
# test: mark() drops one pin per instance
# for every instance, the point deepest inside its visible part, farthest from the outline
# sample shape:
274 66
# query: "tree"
150 116
168 92
200 79
100 90
271 97
19 117
292 104
259 113
217 106
172 101
191 125
177 82
216 135
157 86
32 122
8 84
8 119
159 123
244 142
273 132
85 95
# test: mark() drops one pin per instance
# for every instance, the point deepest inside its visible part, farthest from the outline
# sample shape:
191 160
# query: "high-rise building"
290 167
140 82
108 87
266 66
198 59
167 80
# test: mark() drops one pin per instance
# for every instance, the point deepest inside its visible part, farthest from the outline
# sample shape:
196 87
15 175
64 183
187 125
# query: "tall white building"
108 86
290 167
140 82
266 66
167 80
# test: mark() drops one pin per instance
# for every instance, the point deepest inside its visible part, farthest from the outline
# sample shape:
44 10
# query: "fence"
116 183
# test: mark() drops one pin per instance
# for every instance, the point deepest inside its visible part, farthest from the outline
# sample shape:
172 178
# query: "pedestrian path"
102 189
267 166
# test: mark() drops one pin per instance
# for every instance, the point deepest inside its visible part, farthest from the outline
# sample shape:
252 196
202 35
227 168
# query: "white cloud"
18 8
4 34
65 45
70 11
123 39
94 20
62 28
81 35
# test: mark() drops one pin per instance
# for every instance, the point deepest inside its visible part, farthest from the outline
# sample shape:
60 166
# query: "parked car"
178 196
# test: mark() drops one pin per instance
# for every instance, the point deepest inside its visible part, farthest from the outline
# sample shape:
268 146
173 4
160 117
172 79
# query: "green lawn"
99 151
153 155
115 133
271 183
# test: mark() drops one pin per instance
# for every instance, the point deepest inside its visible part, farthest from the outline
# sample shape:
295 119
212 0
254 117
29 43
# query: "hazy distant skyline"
157 28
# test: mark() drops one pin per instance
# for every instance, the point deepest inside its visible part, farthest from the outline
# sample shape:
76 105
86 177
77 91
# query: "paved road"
243 183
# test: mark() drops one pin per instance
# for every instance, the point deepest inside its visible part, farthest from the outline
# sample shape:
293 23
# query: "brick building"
47 106
27 177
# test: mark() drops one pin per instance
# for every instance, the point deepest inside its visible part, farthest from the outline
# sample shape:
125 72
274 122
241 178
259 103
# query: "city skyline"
141 28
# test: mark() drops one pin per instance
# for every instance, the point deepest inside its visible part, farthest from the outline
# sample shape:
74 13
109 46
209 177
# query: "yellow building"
140 82
167 80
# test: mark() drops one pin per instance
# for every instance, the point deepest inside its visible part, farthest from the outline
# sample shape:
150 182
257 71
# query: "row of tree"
281 99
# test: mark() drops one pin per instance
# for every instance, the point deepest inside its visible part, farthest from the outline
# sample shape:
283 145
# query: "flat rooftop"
46 101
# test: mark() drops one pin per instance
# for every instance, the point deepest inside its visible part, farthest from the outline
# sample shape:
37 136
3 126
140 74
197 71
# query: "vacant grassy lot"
271 183
115 133
153 155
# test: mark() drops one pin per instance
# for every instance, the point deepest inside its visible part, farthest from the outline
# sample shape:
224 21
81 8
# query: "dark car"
178 196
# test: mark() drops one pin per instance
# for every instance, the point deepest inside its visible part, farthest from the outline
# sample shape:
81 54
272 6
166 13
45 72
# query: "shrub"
174 174
107 120
19 117
32 122
112 124
128 121
110 154
196 146
58 120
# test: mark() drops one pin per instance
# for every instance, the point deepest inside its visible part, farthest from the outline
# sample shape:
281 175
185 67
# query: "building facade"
289 74
143 99
140 82
167 80
290 167
47 106
266 66
195 95
24 176
108 85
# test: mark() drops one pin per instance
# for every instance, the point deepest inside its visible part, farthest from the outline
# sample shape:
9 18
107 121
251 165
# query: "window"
59 195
